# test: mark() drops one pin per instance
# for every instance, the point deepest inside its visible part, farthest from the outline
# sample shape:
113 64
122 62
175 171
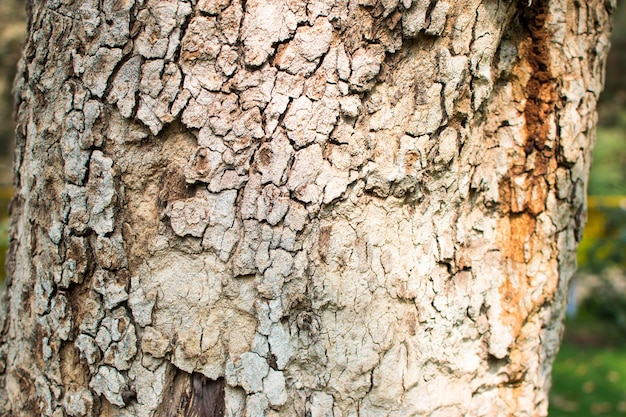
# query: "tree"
290 208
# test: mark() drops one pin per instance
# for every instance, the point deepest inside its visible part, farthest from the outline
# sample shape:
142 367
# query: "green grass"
589 375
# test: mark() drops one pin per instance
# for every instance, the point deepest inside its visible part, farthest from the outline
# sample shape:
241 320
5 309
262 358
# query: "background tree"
297 208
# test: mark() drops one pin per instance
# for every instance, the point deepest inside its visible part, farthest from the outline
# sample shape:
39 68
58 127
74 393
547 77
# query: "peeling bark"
290 208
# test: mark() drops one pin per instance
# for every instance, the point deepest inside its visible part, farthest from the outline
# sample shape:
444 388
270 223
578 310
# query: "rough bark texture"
290 208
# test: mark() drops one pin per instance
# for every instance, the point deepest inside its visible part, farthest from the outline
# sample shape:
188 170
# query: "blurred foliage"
12 33
604 240
608 170
607 304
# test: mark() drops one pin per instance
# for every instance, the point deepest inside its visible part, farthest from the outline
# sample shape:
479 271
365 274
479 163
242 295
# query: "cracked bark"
296 208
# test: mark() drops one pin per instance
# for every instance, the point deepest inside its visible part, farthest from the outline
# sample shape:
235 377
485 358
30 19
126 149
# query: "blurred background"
589 375
12 33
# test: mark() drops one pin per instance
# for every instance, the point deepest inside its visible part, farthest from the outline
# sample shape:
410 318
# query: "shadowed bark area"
297 208
193 396
540 88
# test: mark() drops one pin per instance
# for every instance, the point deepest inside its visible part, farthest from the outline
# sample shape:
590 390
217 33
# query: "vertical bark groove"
541 89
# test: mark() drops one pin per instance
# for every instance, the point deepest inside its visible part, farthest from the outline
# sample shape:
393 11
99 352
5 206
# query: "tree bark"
290 208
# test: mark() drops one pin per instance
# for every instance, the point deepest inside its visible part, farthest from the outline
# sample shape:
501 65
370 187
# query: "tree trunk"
290 208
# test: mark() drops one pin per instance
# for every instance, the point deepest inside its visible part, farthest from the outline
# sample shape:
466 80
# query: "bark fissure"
541 100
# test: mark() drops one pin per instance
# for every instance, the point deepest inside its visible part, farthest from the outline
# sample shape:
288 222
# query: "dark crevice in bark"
183 31
207 397
193 395
172 187
533 39
540 89
114 74
134 25
429 12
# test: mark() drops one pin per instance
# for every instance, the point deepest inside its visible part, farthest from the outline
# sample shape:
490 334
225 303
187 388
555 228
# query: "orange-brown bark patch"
515 232
411 159
511 294
515 238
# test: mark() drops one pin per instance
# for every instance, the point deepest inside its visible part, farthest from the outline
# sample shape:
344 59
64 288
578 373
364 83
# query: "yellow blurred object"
596 214
612 201
604 238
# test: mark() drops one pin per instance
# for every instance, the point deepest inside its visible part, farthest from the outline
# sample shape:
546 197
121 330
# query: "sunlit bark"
290 208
